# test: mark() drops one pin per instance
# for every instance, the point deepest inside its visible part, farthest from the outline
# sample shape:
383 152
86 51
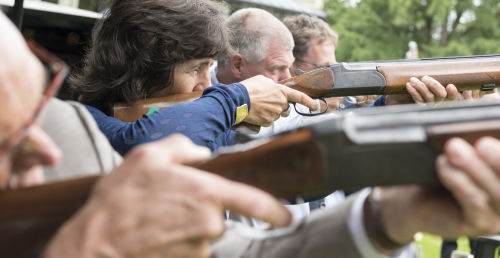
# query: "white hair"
253 30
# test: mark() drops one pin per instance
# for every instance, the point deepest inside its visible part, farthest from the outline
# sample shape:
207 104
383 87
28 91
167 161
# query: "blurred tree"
380 29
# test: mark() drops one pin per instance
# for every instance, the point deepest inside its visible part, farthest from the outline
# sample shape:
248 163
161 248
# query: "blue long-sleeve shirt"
206 121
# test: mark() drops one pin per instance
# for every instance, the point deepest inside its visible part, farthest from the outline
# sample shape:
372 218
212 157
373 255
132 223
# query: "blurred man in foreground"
184 204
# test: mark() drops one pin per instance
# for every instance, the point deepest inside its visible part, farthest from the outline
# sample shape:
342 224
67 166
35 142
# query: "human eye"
278 69
196 70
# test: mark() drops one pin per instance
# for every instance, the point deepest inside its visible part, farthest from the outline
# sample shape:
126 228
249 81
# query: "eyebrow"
207 62
279 65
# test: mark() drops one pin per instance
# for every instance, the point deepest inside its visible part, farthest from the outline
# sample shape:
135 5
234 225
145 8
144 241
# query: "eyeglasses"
307 62
58 71
300 71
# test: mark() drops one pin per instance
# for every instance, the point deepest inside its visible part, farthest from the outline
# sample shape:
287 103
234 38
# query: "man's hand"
269 100
155 206
429 90
470 204
472 175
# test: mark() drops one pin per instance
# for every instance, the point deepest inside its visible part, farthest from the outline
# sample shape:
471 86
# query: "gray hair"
252 31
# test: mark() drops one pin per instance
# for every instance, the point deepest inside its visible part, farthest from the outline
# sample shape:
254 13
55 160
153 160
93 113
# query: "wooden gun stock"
311 83
30 216
130 112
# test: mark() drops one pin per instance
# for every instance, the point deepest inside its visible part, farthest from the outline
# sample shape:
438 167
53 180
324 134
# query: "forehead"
21 86
195 63
321 51
321 46
277 55
21 79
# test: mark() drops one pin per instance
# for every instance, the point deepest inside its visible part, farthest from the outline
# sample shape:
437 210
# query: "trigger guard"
311 113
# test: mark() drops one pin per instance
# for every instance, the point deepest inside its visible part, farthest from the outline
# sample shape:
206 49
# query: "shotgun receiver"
377 146
360 78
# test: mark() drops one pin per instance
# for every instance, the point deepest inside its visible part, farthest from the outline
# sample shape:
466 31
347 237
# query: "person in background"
160 48
255 50
315 45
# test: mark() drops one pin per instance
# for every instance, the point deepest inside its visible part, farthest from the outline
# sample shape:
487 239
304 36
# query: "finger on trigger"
299 97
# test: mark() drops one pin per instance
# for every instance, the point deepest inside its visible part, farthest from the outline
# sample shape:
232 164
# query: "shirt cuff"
360 237
234 99
237 93
380 101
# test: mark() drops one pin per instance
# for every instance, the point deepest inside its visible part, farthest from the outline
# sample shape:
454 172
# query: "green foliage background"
381 29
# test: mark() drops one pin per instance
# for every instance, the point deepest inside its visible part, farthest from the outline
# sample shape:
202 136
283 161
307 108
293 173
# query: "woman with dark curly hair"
154 48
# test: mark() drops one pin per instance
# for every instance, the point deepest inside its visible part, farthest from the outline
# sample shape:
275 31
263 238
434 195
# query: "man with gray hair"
261 45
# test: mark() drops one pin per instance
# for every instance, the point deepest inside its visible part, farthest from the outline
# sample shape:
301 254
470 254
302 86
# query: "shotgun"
360 78
368 147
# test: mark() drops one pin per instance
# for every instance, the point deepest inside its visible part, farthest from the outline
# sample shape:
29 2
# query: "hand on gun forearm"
472 174
469 203
429 90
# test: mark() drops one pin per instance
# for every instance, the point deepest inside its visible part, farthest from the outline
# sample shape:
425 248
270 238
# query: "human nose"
36 149
203 80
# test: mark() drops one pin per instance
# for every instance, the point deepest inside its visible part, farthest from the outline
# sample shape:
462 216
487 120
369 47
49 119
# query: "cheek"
274 77
253 70
183 84
271 73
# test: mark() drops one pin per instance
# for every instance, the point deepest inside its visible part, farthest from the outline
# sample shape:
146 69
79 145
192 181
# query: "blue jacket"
206 121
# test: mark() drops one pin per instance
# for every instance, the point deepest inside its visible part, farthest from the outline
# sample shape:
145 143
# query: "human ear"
237 63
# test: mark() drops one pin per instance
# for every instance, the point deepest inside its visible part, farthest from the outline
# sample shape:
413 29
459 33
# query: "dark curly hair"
136 46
